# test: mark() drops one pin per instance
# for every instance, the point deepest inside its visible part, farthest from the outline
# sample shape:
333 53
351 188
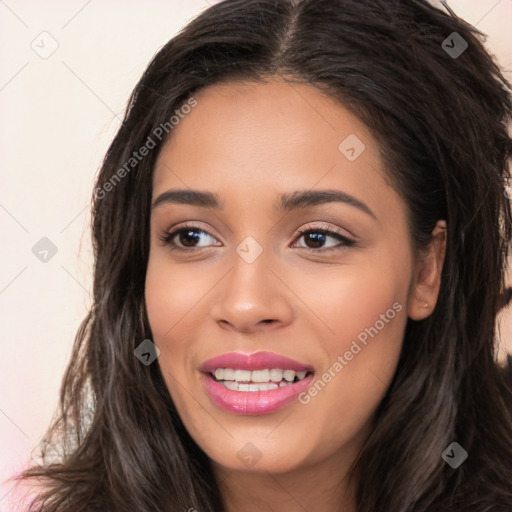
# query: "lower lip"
254 402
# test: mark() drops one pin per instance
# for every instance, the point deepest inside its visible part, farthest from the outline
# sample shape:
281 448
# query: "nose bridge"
251 294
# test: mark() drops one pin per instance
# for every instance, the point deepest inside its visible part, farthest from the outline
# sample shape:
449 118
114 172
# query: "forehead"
255 140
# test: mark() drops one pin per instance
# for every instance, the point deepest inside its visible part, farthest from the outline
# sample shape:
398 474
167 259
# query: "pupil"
187 238
316 238
191 234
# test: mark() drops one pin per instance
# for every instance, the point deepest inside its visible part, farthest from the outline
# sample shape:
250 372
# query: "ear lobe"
427 280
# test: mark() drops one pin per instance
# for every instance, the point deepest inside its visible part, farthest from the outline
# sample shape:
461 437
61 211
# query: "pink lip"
256 361
253 402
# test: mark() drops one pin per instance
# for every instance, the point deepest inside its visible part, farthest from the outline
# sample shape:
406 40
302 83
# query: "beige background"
58 116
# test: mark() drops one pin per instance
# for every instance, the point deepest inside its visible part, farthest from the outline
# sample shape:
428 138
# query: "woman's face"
243 279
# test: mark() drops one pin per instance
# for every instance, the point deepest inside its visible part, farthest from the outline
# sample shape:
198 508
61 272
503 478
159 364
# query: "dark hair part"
441 125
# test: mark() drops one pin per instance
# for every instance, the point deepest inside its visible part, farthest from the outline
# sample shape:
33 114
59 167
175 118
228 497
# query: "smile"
256 380
259 383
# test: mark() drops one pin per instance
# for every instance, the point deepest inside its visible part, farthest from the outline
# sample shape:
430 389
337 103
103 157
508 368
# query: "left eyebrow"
287 202
303 199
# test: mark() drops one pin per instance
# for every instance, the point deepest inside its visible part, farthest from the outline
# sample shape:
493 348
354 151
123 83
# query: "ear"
427 276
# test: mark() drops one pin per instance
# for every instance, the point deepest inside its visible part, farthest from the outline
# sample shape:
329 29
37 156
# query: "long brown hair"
441 123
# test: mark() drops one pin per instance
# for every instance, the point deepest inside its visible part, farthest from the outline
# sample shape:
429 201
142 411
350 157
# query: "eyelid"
170 233
334 232
328 229
346 241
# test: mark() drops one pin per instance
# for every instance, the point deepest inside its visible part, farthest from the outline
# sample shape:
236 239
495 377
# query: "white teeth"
289 375
256 387
276 375
235 386
243 375
260 375
229 374
256 380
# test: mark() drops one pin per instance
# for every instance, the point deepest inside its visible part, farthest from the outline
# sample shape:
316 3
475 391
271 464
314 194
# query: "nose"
252 297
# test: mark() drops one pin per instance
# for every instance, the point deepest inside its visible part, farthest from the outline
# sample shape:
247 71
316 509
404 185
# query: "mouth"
259 383
257 380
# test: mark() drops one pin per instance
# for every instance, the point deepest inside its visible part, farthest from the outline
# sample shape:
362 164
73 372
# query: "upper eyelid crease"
287 202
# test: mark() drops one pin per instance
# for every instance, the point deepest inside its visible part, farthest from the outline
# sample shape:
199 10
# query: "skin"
248 143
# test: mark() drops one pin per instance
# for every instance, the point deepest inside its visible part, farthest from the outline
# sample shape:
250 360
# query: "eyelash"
168 237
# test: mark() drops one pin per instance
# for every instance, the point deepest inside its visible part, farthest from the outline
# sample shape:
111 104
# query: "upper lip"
255 361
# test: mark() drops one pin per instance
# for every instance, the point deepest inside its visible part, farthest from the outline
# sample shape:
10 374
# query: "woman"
300 233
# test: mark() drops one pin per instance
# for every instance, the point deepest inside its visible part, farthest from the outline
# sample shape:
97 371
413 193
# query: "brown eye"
186 237
317 238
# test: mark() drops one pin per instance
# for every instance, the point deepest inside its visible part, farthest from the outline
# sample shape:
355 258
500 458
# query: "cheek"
345 300
364 308
172 297
341 401
172 294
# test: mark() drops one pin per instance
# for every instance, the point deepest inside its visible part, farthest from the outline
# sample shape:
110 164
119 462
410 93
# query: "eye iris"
190 237
316 238
194 235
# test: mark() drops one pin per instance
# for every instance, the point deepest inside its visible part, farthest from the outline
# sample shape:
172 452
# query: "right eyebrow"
191 197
